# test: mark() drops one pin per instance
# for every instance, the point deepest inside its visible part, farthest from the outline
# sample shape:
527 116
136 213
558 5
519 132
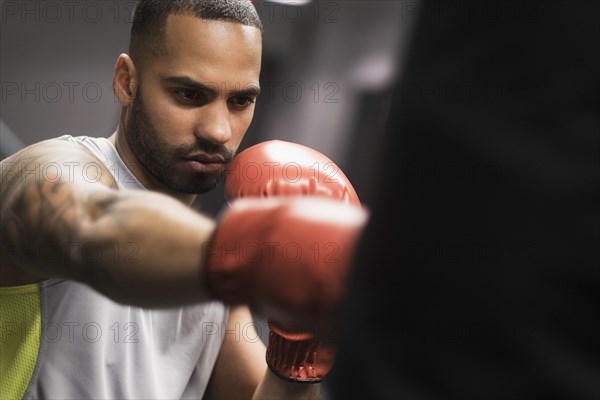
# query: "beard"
161 158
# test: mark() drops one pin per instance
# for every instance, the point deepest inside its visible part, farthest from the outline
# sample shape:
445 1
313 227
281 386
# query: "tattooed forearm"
134 246
41 215
41 221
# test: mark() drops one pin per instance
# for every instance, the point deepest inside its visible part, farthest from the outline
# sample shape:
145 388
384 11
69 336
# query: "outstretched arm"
62 216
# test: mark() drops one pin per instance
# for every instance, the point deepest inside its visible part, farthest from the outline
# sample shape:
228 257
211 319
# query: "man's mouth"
206 159
204 163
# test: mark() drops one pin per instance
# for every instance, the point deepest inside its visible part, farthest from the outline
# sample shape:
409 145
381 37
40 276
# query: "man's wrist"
273 386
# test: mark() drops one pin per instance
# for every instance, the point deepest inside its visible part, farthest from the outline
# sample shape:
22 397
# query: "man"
152 327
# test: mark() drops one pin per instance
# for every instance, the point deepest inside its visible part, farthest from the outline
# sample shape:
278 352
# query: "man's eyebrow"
249 90
189 83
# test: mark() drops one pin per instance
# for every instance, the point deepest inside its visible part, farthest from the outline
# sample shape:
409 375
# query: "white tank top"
92 347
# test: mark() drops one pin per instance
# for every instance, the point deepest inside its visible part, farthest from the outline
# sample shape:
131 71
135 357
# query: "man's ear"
125 80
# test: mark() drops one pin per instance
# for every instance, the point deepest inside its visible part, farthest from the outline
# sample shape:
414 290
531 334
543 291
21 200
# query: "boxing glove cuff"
298 356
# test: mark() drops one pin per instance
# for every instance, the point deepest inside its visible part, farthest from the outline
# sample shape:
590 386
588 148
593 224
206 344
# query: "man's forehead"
188 27
209 52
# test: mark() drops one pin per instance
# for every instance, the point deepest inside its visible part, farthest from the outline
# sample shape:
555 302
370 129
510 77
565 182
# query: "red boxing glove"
321 234
285 256
276 168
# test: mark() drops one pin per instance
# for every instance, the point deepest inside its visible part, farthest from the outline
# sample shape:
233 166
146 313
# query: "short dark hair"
148 29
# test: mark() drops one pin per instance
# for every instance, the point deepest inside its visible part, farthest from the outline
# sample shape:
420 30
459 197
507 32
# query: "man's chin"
198 185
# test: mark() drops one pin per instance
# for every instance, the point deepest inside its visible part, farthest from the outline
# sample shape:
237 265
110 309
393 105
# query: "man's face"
195 102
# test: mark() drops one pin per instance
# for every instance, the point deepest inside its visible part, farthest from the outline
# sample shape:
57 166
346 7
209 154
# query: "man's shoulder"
62 147
66 158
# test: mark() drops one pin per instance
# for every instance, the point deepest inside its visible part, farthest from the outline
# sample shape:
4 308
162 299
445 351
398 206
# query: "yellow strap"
20 332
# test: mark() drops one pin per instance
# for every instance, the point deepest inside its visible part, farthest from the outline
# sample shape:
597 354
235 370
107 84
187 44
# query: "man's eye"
242 101
191 96
187 94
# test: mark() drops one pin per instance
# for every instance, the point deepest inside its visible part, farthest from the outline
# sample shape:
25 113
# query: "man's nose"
212 123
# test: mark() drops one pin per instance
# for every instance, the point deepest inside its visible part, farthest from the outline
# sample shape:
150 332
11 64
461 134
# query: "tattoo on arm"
40 218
